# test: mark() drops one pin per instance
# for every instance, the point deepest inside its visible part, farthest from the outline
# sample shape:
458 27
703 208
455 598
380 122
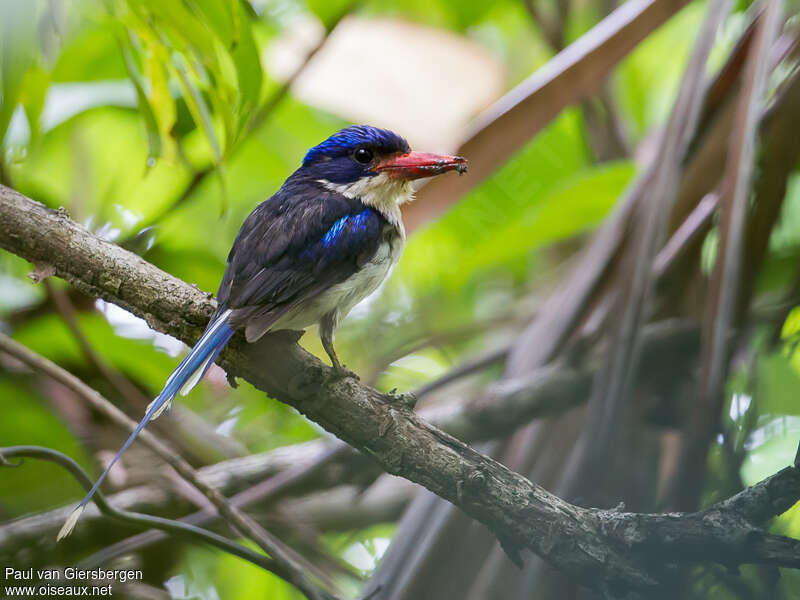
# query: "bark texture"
615 551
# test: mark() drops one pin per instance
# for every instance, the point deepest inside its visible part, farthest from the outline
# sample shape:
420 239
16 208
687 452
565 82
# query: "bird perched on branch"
308 254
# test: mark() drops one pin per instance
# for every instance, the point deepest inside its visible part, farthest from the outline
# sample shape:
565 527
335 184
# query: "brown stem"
291 567
617 548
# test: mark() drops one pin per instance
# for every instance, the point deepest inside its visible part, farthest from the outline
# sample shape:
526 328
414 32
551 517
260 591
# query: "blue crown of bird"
309 253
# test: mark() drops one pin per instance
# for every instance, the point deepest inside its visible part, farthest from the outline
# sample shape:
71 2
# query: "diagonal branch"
572 75
502 410
726 279
140 520
302 467
616 549
189 425
262 492
239 477
290 565
611 389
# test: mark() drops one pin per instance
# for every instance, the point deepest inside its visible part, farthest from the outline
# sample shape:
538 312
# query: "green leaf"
93 164
327 10
18 50
230 577
189 48
138 359
35 485
577 206
786 235
773 447
219 15
150 121
18 291
197 105
160 99
474 233
34 90
92 54
779 378
248 68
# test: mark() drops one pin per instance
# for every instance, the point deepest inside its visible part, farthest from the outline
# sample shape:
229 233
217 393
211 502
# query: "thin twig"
522 514
604 132
463 370
575 73
690 232
288 560
726 278
139 519
610 392
438 339
552 27
735 196
189 424
261 492
67 312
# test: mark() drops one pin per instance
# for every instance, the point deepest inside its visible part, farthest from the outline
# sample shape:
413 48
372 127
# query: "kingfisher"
308 254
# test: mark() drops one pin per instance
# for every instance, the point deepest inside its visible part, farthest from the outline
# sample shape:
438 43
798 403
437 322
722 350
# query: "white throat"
380 192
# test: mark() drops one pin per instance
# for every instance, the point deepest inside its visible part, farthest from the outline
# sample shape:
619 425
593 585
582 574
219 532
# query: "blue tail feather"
189 371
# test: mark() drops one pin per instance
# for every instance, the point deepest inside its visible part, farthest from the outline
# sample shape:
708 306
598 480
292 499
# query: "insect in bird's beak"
415 165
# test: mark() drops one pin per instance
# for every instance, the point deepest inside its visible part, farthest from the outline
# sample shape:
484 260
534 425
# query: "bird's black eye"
363 155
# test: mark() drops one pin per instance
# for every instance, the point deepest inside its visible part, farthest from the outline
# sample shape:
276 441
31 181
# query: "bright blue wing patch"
348 236
355 225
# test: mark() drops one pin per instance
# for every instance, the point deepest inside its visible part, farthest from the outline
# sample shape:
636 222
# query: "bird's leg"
327 325
327 343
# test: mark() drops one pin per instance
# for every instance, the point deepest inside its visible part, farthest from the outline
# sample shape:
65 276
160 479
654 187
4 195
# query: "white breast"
342 297
385 195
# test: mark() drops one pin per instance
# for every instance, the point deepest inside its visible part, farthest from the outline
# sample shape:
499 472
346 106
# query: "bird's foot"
342 372
406 399
339 370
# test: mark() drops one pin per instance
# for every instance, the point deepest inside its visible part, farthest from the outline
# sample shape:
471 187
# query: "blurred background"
160 124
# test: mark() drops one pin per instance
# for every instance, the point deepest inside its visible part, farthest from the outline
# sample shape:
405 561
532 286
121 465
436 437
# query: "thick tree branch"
571 76
315 466
291 566
602 548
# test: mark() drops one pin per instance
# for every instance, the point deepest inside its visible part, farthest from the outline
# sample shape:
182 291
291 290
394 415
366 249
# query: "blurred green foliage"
110 109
